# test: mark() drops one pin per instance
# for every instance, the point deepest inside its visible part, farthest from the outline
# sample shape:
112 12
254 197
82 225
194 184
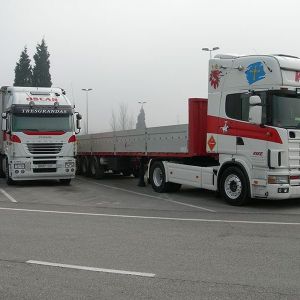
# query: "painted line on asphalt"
8 196
148 217
113 271
146 195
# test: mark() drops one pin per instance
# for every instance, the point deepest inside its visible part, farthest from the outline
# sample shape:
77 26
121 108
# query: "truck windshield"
44 123
286 110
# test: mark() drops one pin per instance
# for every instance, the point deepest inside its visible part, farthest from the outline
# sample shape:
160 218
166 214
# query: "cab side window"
237 106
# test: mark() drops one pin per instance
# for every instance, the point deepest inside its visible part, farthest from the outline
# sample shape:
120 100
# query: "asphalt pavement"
109 239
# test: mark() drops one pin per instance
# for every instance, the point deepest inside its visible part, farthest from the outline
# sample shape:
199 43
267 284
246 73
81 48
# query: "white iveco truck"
38 140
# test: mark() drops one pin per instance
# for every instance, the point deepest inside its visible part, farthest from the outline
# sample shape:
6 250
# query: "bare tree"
131 122
123 120
123 116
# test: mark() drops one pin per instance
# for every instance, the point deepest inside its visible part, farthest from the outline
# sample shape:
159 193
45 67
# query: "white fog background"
136 50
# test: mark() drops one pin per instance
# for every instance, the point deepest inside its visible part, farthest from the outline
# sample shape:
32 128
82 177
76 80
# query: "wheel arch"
152 161
237 164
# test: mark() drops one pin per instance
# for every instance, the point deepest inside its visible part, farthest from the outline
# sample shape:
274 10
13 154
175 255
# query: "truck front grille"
294 154
44 164
50 148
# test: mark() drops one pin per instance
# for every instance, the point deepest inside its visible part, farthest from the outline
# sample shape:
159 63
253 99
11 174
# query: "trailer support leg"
141 182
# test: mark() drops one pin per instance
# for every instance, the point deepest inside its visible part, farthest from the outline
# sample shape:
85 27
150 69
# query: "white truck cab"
254 121
38 140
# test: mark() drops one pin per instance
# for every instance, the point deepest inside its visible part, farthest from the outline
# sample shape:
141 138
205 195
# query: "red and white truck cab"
254 123
38 140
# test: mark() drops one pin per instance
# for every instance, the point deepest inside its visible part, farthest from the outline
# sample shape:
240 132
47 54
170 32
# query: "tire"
93 166
84 166
97 169
158 179
78 166
234 187
9 181
2 164
65 181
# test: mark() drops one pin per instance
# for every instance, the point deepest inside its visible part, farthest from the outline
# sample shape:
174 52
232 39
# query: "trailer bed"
184 140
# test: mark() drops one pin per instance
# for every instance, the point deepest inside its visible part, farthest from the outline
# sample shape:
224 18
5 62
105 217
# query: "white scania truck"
38 134
243 141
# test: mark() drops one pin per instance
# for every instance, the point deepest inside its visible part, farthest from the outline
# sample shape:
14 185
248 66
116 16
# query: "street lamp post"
210 50
87 108
142 103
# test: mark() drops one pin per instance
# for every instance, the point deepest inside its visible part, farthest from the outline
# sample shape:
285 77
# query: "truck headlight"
69 164
19 166
278 179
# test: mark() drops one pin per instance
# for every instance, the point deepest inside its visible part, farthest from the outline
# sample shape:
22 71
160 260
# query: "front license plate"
46 166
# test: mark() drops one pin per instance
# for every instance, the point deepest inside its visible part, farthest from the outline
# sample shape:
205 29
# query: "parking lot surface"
109 239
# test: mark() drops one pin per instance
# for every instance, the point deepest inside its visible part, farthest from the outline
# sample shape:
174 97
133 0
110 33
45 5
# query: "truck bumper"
285 191
23 169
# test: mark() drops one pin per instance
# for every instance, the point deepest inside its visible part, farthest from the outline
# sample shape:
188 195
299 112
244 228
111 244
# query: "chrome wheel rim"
157 176
233 186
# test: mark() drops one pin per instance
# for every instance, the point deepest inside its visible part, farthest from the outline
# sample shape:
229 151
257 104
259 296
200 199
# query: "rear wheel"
158 179
84 166
78 166
97 170
2 167
92 164
234 187
9 180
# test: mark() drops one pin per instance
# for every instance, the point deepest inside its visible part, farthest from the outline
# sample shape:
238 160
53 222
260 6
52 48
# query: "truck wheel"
78 166
234 187
97 170
9 181
2 165
84 165
158 179
65 181
92 164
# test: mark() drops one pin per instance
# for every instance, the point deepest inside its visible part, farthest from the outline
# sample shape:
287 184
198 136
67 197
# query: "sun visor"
42 110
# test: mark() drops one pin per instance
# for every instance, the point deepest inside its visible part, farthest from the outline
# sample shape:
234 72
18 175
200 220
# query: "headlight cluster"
69 165
19 166
278 179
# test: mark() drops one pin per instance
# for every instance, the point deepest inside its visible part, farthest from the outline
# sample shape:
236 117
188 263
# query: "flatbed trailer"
129 151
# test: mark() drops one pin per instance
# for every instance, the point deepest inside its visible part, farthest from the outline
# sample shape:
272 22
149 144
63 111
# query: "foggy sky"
138 50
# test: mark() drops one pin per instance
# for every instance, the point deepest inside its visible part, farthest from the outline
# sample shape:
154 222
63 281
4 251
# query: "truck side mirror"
5 122
78 121
255 110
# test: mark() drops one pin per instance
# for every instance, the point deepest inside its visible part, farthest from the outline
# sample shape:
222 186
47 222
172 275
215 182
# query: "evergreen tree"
23 70
41 74
141 123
